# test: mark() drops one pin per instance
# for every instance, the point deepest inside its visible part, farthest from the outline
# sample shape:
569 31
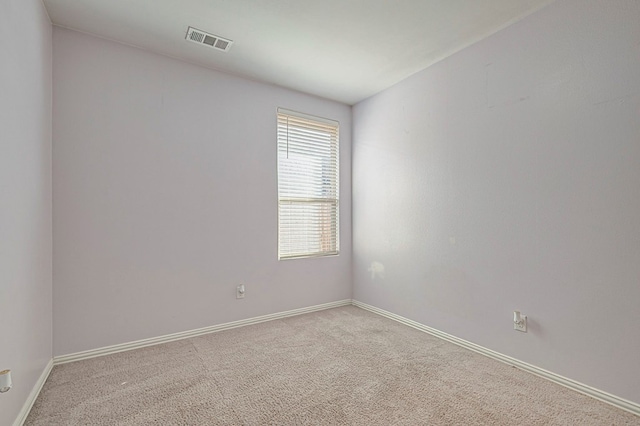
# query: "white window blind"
308 201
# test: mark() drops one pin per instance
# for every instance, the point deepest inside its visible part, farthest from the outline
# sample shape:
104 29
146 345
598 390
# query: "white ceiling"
346 50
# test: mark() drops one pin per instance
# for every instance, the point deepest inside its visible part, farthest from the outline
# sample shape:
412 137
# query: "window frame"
320 121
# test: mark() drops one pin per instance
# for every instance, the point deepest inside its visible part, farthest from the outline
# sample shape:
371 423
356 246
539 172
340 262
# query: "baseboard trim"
618 402
31 399
107 350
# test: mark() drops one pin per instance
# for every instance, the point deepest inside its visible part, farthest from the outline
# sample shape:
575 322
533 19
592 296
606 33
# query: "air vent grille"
213 41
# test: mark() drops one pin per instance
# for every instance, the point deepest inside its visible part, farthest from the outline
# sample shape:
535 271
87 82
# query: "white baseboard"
618 402
31 399
63 359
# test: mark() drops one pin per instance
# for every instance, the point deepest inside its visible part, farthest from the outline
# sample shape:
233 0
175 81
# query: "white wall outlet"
519 322
5 381
240 292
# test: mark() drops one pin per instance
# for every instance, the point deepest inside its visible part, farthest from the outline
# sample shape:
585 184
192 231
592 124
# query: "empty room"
339 212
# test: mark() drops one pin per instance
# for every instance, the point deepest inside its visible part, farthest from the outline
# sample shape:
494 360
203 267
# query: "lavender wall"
25 198
506 177
166 200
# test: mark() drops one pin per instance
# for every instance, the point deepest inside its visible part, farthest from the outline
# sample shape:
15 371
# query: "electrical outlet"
519 322
240 292
5 381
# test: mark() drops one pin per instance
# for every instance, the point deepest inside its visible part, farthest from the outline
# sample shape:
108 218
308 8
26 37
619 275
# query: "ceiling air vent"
207 39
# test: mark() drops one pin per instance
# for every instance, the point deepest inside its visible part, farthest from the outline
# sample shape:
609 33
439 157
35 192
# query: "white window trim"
336 200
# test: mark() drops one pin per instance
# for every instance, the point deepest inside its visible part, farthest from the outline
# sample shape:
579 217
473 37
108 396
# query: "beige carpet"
343 366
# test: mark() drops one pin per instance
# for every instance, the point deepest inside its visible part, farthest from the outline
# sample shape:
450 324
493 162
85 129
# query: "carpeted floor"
343 366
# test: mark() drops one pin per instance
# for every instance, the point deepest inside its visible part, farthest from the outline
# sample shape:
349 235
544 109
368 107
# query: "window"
308 202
